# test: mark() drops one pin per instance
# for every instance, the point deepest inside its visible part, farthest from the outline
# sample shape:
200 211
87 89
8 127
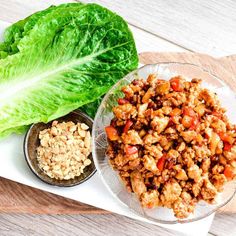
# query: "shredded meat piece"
181 175
209 97
202 152
182 209
137 183
188 157
150 139
124 111
150 164
131 137
196 188
181 147
218 181
159 123
154 150
194 172
148 95
183 206
218 125
188 136
206 164
141 110
208 191
120 160
150 199
231 155
171 191
214 141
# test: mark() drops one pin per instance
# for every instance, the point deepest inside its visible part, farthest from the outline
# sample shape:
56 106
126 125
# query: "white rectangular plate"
93 191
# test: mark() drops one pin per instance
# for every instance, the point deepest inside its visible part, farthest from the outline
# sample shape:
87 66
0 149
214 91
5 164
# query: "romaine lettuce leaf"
14 33
67 59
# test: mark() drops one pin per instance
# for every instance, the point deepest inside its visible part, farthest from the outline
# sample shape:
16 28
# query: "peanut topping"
64 150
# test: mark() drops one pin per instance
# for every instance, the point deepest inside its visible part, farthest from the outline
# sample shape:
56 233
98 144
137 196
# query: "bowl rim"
27 159
146 217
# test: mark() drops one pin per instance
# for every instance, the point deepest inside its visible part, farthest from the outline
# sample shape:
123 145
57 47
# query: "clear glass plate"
104 116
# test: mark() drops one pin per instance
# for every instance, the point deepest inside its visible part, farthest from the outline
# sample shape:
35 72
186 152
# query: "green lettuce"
62 60
17 31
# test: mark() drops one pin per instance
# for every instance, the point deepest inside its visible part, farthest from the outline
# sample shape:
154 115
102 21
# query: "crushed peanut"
64 150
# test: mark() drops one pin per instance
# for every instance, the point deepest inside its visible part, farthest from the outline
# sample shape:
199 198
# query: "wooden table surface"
187 25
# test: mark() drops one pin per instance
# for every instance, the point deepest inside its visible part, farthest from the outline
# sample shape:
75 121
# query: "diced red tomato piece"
223 136
188 111
195 123
130 150
228 172
227 146
112 133
226 138
161 163
122 101
128 124
176 84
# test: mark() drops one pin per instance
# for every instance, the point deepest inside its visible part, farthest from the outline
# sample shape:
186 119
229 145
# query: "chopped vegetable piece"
226 137
112 133
161 163
128 124
176 84
195 122
228 172
130 150
227 146
122 101
188 111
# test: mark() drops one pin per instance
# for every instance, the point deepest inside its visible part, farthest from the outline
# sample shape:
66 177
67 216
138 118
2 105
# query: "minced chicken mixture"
64 150
171 143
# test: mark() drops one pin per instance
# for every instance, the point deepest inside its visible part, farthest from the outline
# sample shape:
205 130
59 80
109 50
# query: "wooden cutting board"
18 198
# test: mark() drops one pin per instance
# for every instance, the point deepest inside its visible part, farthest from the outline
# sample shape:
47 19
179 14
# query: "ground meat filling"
171 143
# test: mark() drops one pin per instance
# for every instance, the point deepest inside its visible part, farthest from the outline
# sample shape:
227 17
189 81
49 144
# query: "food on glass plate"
64 150
171 143
59 59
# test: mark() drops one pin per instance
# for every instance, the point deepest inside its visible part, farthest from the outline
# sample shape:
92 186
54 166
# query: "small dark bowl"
32 142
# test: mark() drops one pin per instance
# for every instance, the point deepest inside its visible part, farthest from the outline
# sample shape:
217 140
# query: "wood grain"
224 67
77 225
20 198
200 26
224 225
